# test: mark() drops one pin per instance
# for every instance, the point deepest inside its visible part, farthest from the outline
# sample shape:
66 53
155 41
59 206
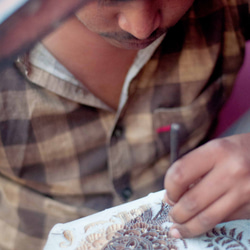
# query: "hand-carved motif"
143 230
147 227
69 237
227 239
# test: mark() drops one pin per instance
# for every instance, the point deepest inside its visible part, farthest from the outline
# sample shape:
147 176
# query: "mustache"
126 36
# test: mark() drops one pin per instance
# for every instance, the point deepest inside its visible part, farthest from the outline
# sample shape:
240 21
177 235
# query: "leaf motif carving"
218 239
223 231
215 232
208 240
232 232
209 234
210 245
226 241
239 236
232 246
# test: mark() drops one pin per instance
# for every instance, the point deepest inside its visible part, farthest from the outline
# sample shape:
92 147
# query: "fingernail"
174 233
171 203
166 199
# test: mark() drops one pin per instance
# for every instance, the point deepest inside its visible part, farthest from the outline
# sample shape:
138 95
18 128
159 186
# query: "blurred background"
239 101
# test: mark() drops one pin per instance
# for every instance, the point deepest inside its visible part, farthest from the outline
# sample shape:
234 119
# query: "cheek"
97 19
173 11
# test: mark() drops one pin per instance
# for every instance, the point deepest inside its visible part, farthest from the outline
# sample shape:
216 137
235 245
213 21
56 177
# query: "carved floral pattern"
220 237
147 227
144 231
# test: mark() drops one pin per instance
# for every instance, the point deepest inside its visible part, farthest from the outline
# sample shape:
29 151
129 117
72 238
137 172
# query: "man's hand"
210 185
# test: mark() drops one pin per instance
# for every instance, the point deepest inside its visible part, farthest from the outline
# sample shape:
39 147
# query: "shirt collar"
43 69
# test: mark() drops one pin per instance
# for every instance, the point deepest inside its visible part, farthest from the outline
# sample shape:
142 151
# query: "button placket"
119 160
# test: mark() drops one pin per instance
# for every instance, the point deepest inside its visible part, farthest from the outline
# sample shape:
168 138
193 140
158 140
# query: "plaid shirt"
64 154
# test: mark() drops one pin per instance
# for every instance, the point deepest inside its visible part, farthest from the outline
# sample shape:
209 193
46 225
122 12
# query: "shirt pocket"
195 121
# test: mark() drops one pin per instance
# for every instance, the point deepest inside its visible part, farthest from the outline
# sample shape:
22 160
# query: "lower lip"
136 45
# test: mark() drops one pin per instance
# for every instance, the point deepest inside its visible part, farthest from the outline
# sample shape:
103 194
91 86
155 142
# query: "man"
82 117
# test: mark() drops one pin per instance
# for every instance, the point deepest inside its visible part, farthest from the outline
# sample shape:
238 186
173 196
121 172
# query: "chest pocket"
194 119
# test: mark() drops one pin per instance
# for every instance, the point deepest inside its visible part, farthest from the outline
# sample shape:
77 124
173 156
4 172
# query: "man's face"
132 24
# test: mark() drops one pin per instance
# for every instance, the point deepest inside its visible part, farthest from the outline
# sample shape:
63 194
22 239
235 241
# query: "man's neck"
100 66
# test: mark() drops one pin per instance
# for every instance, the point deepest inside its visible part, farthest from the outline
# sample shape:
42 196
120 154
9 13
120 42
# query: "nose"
141 19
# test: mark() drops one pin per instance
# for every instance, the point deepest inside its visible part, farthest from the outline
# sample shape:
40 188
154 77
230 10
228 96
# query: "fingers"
208 186
169 202
208 218
200 196
241 213
188 170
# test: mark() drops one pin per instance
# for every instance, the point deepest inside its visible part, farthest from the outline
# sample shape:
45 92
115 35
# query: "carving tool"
174 142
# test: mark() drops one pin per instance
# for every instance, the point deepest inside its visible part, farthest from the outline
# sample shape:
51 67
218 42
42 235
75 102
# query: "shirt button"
118 132
127 193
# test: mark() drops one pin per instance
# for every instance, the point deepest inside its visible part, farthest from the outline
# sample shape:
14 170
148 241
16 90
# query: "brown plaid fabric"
65 155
